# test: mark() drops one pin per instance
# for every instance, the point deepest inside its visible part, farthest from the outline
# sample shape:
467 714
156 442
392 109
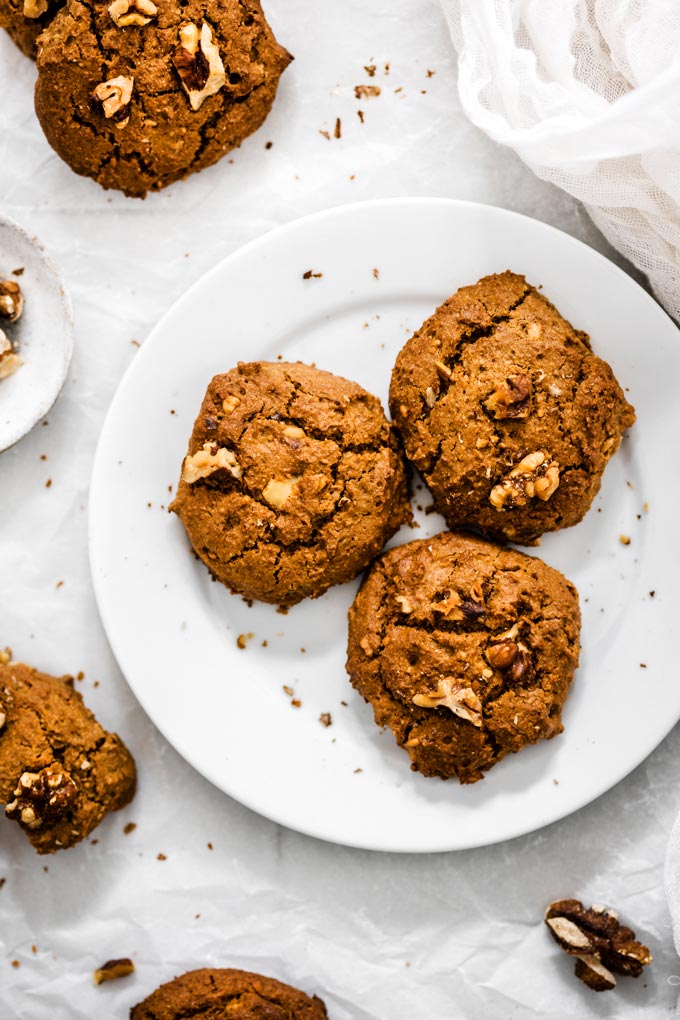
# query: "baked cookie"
137 94
506 412
226 994
293 482
60 771
24 20
465 649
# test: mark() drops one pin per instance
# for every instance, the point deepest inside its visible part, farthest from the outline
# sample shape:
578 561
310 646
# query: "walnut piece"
509 657
35 8
112 98
601 944
278 491
512 400
230 403
42 797
535 476
451 694
198 63
113 969
9 361
132 12
205 462
11 301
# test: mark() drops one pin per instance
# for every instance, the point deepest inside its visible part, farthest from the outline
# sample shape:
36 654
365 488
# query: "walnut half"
132 12
535 476
112 98
35 8
451 694
601 944
42 797
9 361
198 63
11 301
205 462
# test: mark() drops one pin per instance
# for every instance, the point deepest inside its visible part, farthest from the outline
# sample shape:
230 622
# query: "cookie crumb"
643 665
325 134
358 770
130 827
430 73
269 145
288 690
360 115
624 539
376 274
48 483
370 70
337 133
161 857
210 846
652 593
366 91
241 641
114 969
296 703
309 274
15 963
325 719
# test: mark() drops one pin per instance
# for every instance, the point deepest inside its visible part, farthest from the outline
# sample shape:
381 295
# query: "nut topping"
11 301
279 490
205 462
230 403
535 476
113 969
42 797
35 8
132 12
602 946
9 361
430 397
511 400
502 656
198 63
112 98
404 604
451 694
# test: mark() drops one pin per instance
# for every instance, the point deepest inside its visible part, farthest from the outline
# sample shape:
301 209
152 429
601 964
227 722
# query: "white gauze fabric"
587 92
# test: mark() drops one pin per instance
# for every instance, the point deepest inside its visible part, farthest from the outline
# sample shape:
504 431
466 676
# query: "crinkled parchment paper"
378 936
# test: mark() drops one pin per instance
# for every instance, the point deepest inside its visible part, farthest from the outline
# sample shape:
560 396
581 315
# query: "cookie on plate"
24 20
506 412
293 482
138 94
60 771
222 993
465 649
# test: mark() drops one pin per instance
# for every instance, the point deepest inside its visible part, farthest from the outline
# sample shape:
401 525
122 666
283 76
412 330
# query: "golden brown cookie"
24 20
465 649
137 94
293 482
227 995
506 412
60 771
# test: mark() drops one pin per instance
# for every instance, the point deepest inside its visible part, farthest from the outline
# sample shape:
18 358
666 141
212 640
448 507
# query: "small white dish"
42 337
175 632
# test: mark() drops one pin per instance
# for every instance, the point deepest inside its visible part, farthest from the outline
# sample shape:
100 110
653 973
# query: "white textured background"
383 937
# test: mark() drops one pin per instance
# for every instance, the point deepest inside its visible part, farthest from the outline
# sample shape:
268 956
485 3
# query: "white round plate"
386 266
43 336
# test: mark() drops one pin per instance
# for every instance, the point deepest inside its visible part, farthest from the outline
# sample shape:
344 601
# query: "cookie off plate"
245 693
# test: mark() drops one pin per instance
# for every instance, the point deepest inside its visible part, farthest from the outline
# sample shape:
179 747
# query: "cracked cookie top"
293 481
212 994
506 412
60 771
139 93
465 649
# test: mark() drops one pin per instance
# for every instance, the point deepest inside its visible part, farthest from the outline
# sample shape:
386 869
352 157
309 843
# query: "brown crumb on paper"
114 969
337 133
370 70
309 274
130 827
366 91
161 857
325 719
624 539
